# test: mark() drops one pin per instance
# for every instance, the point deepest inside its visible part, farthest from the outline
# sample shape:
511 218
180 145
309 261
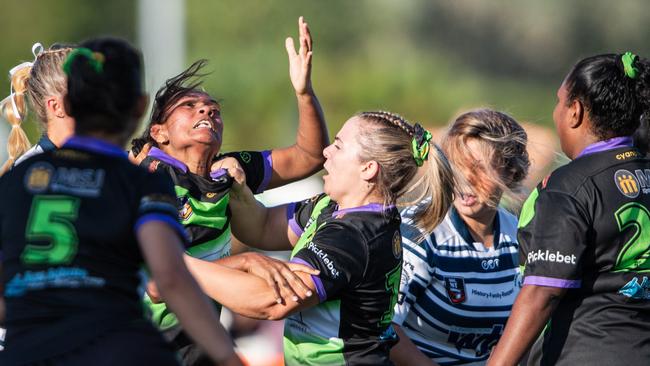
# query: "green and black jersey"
586 228
203 208
358 252
70 256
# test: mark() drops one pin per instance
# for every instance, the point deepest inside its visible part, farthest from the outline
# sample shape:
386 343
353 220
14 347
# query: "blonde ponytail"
14 109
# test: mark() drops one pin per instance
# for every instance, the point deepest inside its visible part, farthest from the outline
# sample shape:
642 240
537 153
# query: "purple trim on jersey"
176 226
162 156
95 145
371 207
218 173
291 219
268 171
320 289
551 282
604 145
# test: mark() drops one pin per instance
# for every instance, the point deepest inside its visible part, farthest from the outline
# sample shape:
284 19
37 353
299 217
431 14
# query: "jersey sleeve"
553 229
258 166
416 269
299 213
158 203
340 254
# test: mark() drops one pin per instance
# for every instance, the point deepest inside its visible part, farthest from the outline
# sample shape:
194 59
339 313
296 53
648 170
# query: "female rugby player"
186 132
585 230
76 225
350 234
459 281
44 82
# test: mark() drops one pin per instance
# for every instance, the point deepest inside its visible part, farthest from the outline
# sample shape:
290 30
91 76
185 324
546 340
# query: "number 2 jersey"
70 256
358 252
586 228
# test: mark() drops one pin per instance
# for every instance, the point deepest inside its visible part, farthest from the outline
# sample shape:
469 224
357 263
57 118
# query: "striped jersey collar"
165 158
371 207
604 145
45 143
463 231
95 145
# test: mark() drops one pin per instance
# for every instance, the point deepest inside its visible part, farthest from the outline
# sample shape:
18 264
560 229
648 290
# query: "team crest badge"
626 183
38 177
245 157
185 211
397 244
455 289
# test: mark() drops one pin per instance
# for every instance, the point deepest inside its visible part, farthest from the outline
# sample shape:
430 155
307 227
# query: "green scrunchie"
628 59
95 59
421 152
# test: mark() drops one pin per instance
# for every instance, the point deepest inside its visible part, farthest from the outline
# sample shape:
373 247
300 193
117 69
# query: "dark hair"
102 98
175 88
615 102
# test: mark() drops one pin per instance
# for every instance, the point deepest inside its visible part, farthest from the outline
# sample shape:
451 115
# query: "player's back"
70 256
603 259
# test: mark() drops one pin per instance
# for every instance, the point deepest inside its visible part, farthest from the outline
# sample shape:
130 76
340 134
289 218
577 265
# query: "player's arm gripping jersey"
203 210
357 286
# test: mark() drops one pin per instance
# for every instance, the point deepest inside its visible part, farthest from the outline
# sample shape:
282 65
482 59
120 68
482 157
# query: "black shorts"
126 347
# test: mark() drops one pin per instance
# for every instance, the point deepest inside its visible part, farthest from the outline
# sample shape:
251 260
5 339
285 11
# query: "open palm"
300 62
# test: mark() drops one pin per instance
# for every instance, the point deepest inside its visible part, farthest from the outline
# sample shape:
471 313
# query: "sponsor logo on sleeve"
325 259
455 289
630 184
245 157
549 256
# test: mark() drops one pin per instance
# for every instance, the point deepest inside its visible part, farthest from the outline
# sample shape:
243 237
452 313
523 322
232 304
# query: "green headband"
628 59
95 59
420 144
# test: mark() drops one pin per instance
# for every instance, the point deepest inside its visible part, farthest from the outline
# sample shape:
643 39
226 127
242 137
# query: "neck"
197 159
352 201
113 139
60 130
481 226
578 146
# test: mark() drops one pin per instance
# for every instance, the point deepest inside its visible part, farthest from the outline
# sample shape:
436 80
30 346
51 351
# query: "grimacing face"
194 119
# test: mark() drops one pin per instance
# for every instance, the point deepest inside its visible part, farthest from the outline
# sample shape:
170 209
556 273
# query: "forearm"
243 293
312 136
197 315
406 353
530 313
258 226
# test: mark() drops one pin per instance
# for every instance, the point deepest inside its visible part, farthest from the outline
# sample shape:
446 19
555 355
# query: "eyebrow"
338 139
198 99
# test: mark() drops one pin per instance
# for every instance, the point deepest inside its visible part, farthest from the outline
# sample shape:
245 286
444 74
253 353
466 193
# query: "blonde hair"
43 78
387 139
502 144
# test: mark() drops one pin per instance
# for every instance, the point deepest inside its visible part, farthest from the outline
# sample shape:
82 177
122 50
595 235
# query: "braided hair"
387 138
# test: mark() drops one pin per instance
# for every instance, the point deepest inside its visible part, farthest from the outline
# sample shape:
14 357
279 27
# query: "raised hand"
300 63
